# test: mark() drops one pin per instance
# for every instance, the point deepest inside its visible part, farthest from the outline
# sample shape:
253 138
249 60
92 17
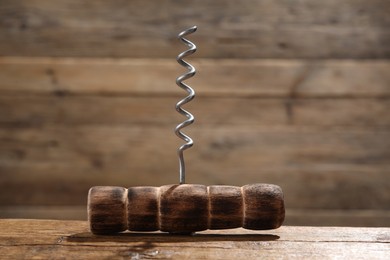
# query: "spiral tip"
188 31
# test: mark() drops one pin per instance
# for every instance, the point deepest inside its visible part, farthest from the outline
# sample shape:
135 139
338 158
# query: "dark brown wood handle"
184 208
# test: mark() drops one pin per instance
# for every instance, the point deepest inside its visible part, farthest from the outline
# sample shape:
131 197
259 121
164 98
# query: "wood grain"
265 209
107 209
226 206
71 239
226 77
184 208
253 29
143 208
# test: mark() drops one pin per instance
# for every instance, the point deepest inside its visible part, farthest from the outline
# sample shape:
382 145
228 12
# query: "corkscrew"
191 95
184 208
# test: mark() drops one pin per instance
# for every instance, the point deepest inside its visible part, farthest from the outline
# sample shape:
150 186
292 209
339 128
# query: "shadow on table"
159 237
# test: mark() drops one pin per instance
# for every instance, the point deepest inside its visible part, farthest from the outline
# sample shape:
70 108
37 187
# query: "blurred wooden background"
295 93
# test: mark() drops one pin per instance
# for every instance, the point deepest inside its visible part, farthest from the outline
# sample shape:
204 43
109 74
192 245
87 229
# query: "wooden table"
53 239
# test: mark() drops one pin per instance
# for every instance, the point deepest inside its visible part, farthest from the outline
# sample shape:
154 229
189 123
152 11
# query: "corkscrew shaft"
191 94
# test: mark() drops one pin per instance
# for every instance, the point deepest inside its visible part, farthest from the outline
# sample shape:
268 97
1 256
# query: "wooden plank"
244 78
357 218
144 76
344 79
255 28
339 112
117 110
105 110
71 239
333 168
294 217
44 212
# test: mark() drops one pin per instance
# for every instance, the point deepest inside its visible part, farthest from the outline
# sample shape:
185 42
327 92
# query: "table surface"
55 239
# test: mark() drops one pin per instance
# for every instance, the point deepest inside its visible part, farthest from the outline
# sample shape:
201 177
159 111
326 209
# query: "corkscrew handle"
184 208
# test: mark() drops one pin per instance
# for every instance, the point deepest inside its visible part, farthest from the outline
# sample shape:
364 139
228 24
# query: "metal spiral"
191 94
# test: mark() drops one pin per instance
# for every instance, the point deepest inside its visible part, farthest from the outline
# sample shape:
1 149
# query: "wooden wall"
295 93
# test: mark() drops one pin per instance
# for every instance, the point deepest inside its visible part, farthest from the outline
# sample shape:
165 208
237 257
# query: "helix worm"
191 95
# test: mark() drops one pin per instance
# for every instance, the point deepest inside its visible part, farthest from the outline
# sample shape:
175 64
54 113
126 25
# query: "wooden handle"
184 208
